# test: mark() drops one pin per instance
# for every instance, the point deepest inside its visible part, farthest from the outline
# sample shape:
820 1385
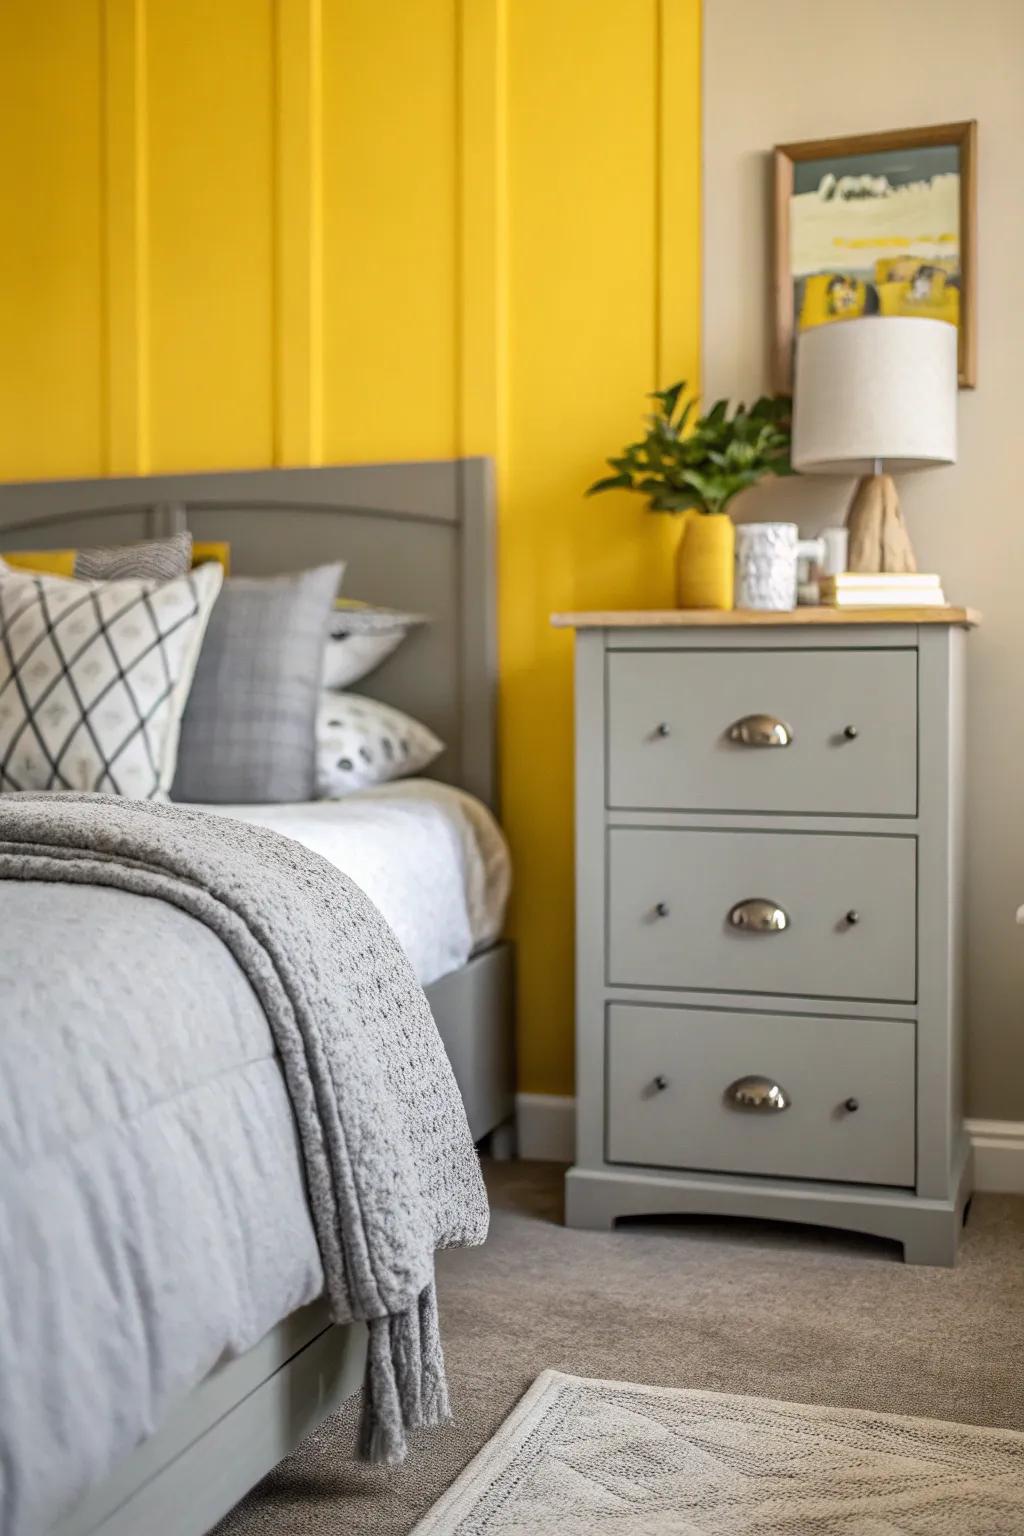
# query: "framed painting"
877 224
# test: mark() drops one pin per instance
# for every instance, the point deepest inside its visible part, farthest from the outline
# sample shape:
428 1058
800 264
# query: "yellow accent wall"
305 231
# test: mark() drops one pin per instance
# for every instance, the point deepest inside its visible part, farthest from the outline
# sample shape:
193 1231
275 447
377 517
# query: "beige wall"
782 70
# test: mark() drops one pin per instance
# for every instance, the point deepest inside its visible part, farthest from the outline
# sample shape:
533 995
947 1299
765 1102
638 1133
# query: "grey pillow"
153 560
248 734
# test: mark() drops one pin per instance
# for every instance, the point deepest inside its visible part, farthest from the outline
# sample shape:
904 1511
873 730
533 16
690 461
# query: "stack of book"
881 589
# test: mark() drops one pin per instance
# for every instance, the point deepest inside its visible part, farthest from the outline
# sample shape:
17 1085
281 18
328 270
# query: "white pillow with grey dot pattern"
360 742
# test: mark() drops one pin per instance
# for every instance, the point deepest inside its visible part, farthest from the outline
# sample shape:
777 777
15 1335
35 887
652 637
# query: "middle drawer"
795 913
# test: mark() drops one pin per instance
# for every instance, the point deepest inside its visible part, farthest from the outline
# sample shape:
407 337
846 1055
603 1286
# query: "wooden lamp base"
879 540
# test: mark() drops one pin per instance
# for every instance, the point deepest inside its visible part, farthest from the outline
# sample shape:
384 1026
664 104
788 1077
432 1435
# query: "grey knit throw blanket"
390 1166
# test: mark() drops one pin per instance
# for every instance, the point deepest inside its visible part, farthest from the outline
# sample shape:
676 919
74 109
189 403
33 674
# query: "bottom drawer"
846 1087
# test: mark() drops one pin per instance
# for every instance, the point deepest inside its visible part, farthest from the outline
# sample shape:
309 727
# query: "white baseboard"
546 1127
547 1134
998 1155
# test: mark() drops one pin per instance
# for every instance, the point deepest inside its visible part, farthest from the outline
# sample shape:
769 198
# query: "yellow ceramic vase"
704 563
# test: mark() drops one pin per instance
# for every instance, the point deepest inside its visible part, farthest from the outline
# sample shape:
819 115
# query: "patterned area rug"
579 1456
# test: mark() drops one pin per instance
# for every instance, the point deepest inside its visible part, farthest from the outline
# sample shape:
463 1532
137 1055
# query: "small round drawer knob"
853 917
850 732
661 910
852 1106
662 729
661 1082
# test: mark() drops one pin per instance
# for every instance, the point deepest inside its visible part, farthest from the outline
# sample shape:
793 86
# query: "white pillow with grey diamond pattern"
360 742
94 676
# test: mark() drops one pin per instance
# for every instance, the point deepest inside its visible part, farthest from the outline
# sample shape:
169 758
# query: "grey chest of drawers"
769 928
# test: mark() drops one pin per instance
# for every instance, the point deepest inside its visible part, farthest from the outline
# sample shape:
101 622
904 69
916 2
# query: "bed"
430 857
413 535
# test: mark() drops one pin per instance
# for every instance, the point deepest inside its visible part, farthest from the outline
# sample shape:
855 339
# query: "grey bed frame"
418 536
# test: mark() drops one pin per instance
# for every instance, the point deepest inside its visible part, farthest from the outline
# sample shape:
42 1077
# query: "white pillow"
360 638
94 676
360 742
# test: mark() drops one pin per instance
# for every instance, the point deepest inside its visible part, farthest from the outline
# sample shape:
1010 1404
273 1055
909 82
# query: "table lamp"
873 397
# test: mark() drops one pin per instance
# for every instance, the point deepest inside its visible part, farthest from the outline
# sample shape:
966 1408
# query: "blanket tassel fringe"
405 1384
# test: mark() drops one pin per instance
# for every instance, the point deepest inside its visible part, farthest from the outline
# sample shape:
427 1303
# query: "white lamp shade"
877 390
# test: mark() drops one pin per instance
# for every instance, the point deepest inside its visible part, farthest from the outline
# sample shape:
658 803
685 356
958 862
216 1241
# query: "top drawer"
850 718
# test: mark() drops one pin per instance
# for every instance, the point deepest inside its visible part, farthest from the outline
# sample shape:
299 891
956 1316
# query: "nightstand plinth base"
929 1230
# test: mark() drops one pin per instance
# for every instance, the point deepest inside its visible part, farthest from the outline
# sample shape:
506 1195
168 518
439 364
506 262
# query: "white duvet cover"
431 858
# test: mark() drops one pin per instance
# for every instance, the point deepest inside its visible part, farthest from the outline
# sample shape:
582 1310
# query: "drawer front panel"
848 1086
670 713
848 904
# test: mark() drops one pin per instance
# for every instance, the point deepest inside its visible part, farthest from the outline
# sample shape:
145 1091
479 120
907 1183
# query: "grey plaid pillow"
248 734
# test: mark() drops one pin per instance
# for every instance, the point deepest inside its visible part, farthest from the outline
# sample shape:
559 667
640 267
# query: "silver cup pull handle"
758 1094
760 731
756 915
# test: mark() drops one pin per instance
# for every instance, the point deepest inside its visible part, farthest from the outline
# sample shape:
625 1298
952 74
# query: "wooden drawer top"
738 618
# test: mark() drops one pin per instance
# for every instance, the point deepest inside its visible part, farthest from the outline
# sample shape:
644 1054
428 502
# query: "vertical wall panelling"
51 277
304 231
298 233
124 402
210 96
482 230
389 114
603 175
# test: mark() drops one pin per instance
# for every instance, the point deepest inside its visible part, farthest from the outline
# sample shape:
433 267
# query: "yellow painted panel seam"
316 234
459 266
142 243
278 380
124 232
679 195
659 184
106 280
298 320
482 230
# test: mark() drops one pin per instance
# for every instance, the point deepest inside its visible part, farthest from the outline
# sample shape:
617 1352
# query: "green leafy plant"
706 466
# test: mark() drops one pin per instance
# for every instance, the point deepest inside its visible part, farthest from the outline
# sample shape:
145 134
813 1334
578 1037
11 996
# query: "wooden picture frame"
961 137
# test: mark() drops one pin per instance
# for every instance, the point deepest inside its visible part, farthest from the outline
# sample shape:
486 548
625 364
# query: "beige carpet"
579 1457
803 1315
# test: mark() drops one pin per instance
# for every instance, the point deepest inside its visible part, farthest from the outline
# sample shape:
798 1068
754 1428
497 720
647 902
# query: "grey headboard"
416 536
